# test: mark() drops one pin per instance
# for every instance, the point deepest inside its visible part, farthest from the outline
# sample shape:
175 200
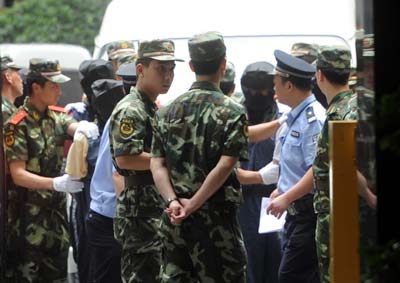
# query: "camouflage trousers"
207 247
40 253
141 248
322 241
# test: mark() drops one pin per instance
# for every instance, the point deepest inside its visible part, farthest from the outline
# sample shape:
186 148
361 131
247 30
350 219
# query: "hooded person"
90 71
106 94
263 250
258 89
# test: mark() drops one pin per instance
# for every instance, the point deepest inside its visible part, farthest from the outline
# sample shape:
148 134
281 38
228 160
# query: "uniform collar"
143 97
204 85
340 96
33 112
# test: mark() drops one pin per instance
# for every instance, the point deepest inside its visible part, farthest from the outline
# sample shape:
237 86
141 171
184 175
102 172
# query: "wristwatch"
171 199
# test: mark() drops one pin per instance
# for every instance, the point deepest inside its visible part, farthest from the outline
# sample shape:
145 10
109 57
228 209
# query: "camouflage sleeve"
157 148
237 141
15 144
66 120
127 133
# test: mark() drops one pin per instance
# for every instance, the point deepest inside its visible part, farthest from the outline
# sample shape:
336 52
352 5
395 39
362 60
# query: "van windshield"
241 51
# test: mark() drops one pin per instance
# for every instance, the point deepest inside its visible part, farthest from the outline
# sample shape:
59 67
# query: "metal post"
344 222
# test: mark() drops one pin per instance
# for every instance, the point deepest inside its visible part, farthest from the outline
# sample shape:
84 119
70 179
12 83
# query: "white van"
70 57
252 29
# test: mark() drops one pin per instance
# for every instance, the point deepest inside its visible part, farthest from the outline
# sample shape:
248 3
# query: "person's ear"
139 70
191 66
8 76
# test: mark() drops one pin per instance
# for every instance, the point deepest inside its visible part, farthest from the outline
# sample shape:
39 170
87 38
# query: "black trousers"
78 210
105 258
263 250
299 261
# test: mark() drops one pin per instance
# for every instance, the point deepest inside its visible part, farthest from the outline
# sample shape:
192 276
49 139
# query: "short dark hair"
300 83
338 77
226 87
144 61
207 67
34 79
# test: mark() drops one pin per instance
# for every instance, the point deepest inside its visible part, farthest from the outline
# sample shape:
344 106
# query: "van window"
70 57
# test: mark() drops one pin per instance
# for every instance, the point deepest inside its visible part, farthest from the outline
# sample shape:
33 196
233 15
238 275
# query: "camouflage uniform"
342 107
192 133
139 205
7 107
38 235
229 78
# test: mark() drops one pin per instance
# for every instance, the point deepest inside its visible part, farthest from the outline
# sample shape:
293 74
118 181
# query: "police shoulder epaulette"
57 108
310 114
18 117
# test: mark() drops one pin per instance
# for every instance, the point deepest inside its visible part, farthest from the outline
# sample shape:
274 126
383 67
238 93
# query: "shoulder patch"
18 117
57 108
310 114
126 127
9 138
246 129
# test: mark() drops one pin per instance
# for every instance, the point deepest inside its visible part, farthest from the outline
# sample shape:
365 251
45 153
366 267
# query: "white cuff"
269 173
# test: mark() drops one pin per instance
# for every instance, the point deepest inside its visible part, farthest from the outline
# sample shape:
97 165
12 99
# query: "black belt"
141 178
302 205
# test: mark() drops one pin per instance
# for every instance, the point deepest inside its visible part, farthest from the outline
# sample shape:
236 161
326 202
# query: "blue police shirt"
102 192
299 142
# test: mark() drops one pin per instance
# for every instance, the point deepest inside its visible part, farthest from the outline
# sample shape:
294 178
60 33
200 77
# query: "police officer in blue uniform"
293 83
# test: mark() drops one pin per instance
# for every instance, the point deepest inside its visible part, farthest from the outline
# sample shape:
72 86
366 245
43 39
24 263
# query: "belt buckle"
292 210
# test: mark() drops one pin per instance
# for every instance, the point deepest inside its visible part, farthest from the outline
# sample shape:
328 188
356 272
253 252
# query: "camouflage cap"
368 45
120 47
8 63
49 69
305 51
334 57
353 78
207 46
158 49
126 58
229 73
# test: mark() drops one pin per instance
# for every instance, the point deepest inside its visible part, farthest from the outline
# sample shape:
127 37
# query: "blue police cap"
288 65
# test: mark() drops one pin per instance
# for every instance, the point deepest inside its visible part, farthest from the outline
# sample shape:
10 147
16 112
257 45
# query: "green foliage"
52 21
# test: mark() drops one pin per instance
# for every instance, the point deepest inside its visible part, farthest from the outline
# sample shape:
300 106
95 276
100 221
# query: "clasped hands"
179 210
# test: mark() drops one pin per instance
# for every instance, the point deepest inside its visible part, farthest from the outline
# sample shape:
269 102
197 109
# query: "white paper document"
268 222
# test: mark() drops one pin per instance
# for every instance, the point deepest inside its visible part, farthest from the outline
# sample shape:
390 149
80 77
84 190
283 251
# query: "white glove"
89 129
67 184
282 119
80 107
269 173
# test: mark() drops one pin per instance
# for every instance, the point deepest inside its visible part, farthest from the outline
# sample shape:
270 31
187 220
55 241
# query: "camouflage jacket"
131 134
38 139
193 132
7 109
342 107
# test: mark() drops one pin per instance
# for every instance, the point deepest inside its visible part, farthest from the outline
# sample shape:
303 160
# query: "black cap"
288 65
106 94
258 75
92 70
